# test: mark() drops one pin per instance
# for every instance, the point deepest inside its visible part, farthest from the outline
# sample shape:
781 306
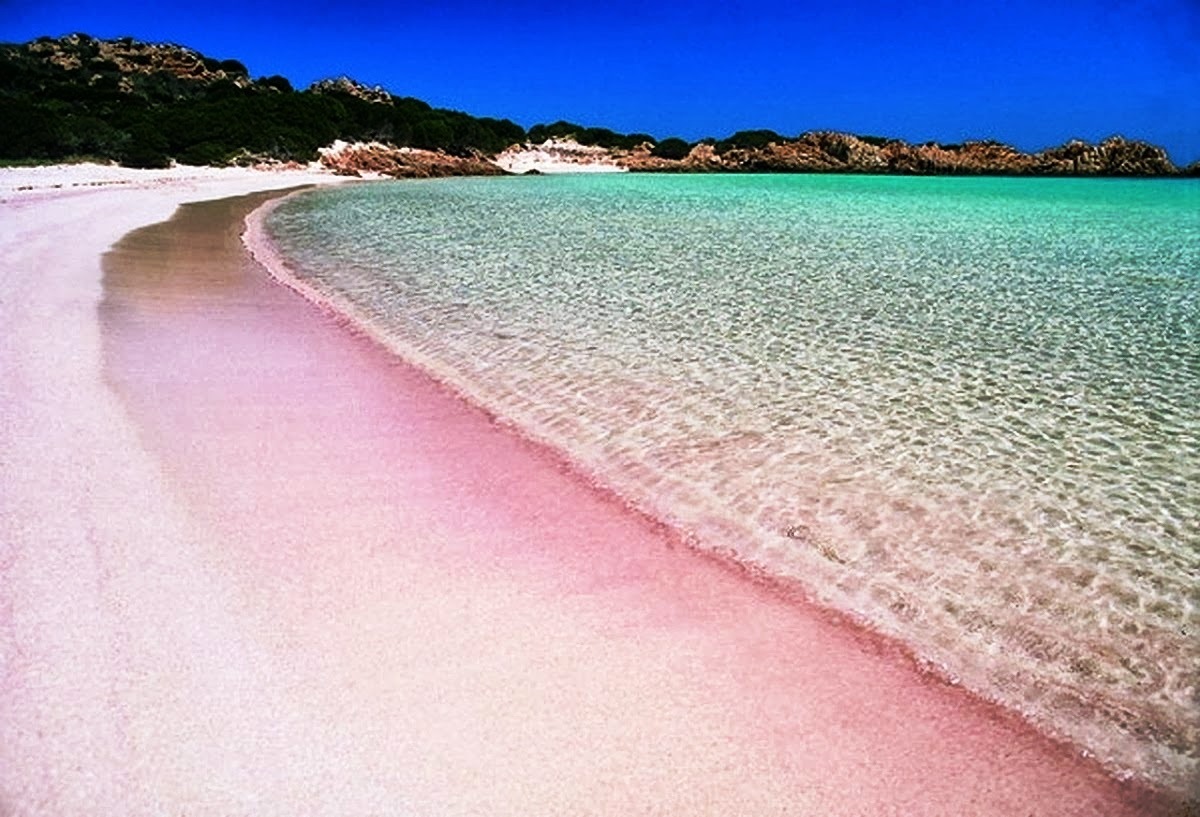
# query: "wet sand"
298 576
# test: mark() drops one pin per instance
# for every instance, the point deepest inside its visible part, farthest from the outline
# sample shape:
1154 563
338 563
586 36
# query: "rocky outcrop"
354 88
1112 157
127 62
831 152
377 158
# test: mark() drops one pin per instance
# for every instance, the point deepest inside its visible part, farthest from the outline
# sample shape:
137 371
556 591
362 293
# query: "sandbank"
255 564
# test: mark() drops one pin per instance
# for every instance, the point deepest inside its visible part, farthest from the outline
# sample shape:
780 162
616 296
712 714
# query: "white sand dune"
558 156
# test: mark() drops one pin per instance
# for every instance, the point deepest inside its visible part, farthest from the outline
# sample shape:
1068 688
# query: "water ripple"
964 410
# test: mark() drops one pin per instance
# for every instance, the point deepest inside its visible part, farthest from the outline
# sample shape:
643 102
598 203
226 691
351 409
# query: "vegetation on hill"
672 148
144 105
600 137
749 139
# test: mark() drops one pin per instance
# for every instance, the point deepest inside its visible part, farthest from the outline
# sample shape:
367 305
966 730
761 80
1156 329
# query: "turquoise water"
964 411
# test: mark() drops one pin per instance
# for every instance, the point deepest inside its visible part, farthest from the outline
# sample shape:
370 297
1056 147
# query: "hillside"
145 104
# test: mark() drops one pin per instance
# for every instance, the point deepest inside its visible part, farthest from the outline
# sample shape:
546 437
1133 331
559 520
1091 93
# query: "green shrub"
221 89
103 66
276 82
749 139
233 67
28 131
432 133
147 147
90 136
555 130
601 137
205 153
504 131
632 140
672 148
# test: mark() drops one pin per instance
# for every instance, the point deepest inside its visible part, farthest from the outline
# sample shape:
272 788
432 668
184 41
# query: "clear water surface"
964 411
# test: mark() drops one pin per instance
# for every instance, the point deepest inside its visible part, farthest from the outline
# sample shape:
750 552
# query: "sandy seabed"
251 563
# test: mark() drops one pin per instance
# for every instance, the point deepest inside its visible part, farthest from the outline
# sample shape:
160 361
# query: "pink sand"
254 564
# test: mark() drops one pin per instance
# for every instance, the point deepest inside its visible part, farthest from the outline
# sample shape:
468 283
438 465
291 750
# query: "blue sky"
1033 74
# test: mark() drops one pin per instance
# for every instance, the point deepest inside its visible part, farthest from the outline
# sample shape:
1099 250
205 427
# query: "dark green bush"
276 82
146 148
29 131
106 82
601 137
90 136
504 131
205 153
749 139
555 130
222 89
632 140
432 133
672 148
233 67
400 133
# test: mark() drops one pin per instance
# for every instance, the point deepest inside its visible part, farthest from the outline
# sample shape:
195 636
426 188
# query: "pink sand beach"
252 563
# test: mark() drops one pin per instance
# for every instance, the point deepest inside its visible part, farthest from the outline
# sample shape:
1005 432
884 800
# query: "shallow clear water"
965 411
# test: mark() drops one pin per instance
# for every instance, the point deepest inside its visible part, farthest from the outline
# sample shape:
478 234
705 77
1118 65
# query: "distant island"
147 105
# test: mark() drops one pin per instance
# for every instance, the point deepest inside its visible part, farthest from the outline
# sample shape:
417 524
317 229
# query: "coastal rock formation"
126 63
832 152
354 88
1112 157
359 158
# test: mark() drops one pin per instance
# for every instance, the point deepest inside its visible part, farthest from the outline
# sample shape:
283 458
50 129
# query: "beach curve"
375 598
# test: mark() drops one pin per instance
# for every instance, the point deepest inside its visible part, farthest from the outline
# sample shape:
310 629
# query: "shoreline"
606 592
932 665
262 248
790 590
